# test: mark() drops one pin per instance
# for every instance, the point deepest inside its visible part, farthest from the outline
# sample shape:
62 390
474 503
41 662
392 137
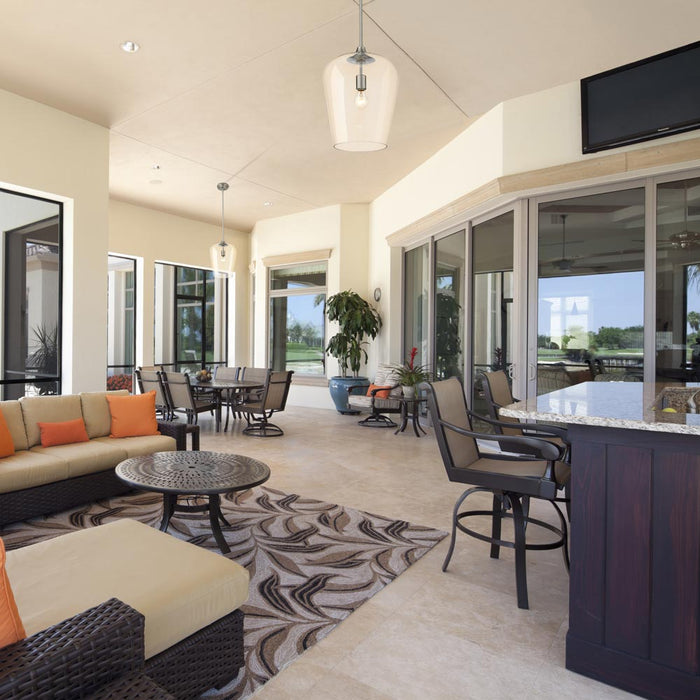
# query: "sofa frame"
56 496
101 651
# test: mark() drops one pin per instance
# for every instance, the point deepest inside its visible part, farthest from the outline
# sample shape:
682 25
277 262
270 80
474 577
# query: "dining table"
230 387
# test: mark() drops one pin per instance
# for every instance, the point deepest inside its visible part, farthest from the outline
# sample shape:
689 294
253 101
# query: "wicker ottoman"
189 597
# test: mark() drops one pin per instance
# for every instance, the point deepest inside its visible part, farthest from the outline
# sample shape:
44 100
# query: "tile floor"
428 635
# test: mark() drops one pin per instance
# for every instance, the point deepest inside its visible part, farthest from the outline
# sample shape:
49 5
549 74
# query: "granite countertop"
629 405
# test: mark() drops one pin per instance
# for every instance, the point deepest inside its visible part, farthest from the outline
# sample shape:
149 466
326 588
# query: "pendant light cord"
361 47
222 186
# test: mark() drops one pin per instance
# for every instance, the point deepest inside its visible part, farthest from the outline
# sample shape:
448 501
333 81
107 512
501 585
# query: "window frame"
286 293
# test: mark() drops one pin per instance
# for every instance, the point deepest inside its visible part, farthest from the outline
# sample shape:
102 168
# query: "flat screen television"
648 99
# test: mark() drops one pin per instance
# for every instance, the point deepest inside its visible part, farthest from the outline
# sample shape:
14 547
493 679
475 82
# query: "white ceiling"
231 89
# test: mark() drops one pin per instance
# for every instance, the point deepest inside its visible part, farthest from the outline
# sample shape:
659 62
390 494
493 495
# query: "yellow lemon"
669 410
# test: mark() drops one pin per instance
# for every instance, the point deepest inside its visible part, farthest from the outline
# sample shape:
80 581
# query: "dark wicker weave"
133 687
75 657
68 493
207 659
100 652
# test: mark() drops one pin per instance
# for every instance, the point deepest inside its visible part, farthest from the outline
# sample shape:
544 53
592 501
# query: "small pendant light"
223 255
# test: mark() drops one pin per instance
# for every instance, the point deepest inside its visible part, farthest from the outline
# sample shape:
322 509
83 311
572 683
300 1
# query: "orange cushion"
7 445
11 627
383 394
63 433
133 415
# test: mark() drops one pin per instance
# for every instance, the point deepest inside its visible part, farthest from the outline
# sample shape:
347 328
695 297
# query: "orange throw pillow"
11 627
63 433
7 444
133 415
383 394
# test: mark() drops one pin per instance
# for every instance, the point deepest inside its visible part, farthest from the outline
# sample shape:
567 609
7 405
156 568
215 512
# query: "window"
590 303
31 229
121 325
297 321
191 317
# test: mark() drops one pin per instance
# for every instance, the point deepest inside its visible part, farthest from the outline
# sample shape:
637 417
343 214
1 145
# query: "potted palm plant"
409 374
357 320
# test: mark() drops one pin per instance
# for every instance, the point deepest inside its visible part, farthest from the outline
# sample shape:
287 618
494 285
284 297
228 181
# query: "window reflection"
449 306
591 290
678 280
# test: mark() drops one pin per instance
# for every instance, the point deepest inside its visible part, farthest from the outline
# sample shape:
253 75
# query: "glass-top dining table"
229 386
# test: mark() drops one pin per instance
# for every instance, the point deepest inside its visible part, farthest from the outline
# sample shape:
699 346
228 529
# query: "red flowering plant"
119 381
410 374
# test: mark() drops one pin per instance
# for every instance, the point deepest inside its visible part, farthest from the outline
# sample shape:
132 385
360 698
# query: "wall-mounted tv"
648 99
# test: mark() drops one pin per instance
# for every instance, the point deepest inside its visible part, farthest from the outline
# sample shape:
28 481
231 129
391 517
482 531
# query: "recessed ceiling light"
267 204
155 182
130 46
155 166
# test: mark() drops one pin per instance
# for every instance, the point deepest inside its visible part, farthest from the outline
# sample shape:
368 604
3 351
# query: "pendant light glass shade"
360 119
223 255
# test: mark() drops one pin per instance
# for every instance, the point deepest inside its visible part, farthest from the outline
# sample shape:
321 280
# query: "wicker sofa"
38 480
166 622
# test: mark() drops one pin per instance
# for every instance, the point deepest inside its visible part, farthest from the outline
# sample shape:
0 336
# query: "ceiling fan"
567 263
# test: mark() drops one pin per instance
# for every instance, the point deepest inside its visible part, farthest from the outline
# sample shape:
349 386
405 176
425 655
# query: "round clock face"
377 294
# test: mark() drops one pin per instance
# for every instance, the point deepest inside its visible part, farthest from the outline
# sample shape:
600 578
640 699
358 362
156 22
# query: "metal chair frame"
260 405
465 463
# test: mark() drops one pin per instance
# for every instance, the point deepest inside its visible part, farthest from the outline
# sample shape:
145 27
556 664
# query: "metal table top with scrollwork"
193 472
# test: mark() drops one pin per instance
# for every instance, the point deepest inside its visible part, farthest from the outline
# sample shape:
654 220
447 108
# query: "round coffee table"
194 474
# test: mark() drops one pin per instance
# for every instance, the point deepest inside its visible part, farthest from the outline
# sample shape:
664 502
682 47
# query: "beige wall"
58 156
152 236
344 229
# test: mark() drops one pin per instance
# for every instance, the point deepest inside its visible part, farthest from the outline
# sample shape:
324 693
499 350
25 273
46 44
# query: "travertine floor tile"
428 635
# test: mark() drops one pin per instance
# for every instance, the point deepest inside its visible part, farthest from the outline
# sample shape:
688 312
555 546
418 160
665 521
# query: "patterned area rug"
311 563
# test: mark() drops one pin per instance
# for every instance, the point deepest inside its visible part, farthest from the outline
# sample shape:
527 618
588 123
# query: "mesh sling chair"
497 393
151 380
182 398
230 374
511 478
258 409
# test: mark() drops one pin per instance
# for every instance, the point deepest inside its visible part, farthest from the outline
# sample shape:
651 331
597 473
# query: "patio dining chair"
182 398
260 405
512 479
151 380
230 374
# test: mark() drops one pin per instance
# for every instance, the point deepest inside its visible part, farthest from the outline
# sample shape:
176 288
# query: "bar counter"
634 601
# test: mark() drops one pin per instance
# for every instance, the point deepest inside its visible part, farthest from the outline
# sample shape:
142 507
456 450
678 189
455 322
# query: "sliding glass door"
589 291
678 280
492 301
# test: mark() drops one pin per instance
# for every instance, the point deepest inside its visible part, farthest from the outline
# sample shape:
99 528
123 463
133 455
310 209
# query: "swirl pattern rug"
311 563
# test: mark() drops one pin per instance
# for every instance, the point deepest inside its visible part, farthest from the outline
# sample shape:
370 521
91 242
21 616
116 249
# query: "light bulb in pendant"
361 99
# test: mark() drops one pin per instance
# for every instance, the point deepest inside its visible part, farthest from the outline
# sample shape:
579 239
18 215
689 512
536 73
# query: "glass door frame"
532 237
432 290
520 295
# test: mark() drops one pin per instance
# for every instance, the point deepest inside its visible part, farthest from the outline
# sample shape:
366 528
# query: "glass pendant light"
223 255
360 96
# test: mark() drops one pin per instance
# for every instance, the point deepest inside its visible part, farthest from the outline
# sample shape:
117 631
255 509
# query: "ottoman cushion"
179 587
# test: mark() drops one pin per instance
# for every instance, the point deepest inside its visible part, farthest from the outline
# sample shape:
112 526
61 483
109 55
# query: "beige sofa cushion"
179 587
142 445
98 420
85 457
26 469
47 409
15 422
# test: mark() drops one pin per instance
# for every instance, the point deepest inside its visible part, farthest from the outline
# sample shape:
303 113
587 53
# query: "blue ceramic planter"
339 392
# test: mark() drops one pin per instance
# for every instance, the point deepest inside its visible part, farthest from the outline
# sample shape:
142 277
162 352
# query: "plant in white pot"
357 320
409 374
